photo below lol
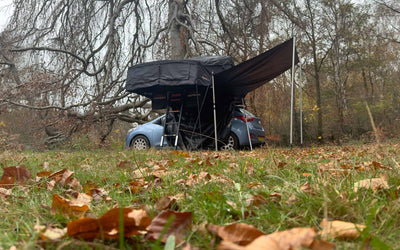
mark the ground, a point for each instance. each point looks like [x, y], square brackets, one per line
[44, 197]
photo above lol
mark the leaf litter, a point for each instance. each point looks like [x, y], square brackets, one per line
[168, 223]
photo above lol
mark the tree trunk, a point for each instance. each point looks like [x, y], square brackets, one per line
[178, 34]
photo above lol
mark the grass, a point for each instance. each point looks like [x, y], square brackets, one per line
[234, 179]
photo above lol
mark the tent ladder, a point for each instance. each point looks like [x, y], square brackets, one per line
[173, 118]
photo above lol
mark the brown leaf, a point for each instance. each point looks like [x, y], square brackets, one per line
[374, 184]
[4, 193]
[43, 174]
[107, 226]
[14, 175]
[133, 222]
[340, 229]
[99, 194]
[75, 208]
[281, 164]
[306, 188]
[85, 228]
[177, 223]
[50, 232]
[239, 233]
[88, 186]
[284, 240]
[74, 184]
[66, 177]
[56, 176]
[165, 203]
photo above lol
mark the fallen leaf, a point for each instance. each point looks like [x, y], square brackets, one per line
[165, 203]
[374, 184]
[65, 177]
[70, 208]
[74, 184]
[285, 240]
[107, 226]
[239, 233]
[14, 175]
[173, 223]
[4, 193]
[306, 188]
[281, 164]
[50, 232]
[340, 229]
[99, 194]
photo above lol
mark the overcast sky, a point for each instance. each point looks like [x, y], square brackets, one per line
[5, 12]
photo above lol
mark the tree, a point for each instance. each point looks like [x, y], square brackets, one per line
[71, 57]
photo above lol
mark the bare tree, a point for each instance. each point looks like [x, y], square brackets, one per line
[71, 57]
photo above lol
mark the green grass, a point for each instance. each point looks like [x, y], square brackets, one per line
[235, 177]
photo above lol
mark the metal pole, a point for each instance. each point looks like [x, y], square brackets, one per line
[247, 126]
[301, 106]
[215, 114]
[292, 92]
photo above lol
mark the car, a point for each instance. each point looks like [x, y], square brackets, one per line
[149, 134]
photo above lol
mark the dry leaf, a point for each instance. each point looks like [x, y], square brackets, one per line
[66, 176]
[57, 175]
[46, 165]
[50, 233]
[239, 233]
[107, 226]
[306, 188]
[99, 194]
[14, 175]
[165, 203]
[340, 229]
[74, 184]
[4, 193]
[70, 208]
[178, 223]
[374, 184]
[285, 240]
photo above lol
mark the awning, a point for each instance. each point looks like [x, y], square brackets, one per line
[251, 74]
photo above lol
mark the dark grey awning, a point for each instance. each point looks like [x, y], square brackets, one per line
[251, 74]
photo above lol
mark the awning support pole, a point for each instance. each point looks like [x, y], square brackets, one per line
[247, 126]
[292, 92]
[301, 106]
[215, 114]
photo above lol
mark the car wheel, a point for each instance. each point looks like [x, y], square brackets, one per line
[140, 142]
[232, 143]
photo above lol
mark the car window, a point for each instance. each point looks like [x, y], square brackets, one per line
[246, 112]
[160, 121]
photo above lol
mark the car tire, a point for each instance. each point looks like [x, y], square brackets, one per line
[140, 142]
[232, 143]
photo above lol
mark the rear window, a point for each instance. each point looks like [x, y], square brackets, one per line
[246, 112]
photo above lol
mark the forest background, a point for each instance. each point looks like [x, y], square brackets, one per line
[63, 65]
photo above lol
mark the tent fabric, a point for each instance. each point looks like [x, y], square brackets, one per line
[251, 74]
[160, 77]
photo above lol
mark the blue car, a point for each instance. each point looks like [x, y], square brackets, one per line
[149, 134]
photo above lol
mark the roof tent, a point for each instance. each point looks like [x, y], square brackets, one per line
[155, 79]
[192, 79]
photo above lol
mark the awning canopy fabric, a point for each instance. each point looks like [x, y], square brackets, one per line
[251, 74]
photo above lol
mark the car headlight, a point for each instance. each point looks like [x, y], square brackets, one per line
[130, 130]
